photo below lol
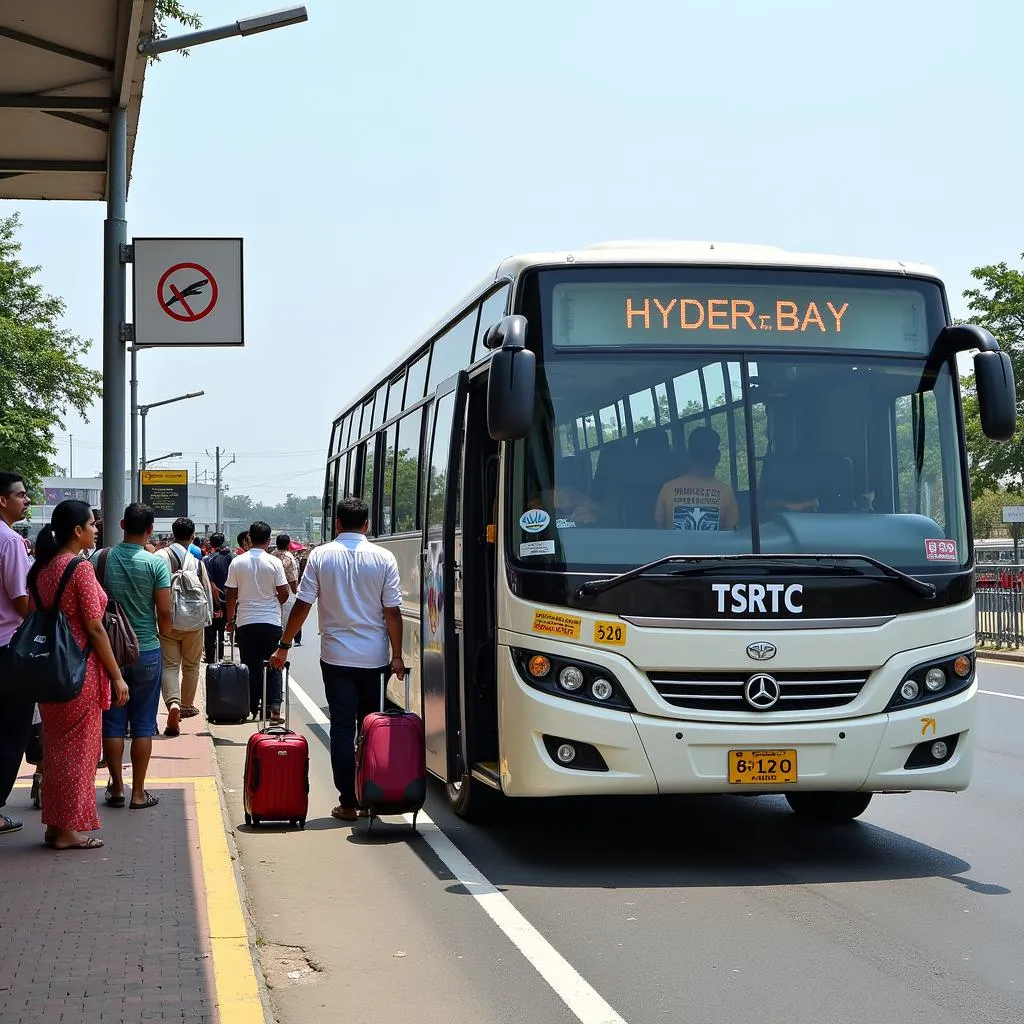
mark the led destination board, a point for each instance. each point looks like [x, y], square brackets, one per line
[611, 315]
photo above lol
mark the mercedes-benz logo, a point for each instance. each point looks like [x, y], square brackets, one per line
[762, 691]
[761, 651]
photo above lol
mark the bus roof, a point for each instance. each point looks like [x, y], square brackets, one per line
[645, 251]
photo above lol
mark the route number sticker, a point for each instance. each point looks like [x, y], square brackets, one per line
[940, 551]
[611, 633]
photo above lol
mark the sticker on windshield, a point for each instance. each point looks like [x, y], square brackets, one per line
[940, 551]
[536, 547]
[534, 521]
[557, 624]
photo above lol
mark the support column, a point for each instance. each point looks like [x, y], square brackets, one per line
[133, 461]
[115, 235]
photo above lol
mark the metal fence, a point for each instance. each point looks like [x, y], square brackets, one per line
[999, 598]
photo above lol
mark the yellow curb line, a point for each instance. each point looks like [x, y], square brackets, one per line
[234, 973]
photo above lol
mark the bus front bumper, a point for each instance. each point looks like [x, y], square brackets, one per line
[649, 755]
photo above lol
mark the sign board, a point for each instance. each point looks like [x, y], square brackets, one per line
[166, 492]
[187, 291]
[1013, 513]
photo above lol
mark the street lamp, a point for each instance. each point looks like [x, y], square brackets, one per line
[143, 412]
[169, 455]
[243, 27]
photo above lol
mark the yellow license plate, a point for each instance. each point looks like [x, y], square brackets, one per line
[762, 767]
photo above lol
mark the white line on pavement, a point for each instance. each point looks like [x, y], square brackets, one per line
[996, 693]
[568, 984]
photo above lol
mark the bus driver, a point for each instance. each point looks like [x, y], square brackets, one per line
[697, 500]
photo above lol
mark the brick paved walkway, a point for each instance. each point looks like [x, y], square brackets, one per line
[118, 934]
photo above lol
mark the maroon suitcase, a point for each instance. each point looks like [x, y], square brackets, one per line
[276, 785]
[391, 761]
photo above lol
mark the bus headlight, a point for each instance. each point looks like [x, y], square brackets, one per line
[934, 680]
[571, 680]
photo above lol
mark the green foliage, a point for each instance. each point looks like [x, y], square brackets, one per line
[41, 377]
[172, 10]
[998, 304]
[987, 511]
[290, 516]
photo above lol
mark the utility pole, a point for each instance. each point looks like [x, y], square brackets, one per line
[71, 455]
[234, 458]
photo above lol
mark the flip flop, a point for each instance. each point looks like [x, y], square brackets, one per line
[113, 801]
[85, 844]
[189, 712]
[150, 801]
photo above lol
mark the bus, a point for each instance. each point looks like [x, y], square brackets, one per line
[683, 518]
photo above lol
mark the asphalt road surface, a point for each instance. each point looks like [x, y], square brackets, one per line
[722, 909]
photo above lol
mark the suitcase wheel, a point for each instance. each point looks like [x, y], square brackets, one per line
[298, 822]
[248, 818]
[256, 820]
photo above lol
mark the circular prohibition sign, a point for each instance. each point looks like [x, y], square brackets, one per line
[182, 296]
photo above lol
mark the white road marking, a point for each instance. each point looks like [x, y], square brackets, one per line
[996, 693]
[566, 982]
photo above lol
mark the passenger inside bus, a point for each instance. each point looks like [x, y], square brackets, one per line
[697, 500]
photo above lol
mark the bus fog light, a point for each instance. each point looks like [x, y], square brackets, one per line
[935, 679]
[939, 750]
[570, 678]
[962, 666]
[539, 666]
[566, 753]
[601, 689]
[909, 690]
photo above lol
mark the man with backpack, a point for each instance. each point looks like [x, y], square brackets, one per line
[217, 562]
[191, 613]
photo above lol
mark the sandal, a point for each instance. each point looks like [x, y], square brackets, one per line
[111, 800]
[10, 825]
[85, 844]
[190, 711]
[150, 801]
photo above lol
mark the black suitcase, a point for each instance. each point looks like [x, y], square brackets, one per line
[227, 690]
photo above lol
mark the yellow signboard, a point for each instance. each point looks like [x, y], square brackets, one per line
[164, 476]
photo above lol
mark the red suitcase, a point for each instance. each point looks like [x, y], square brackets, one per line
[391, 761]
[276, 786]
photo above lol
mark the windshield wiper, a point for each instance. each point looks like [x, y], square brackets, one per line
[788, 561]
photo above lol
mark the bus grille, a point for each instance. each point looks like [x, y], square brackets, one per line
[723, 691]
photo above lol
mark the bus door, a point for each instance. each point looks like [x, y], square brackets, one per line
[442, 572]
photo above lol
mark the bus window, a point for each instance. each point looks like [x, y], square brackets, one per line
[364, 422]
[407, 464]
[451, 351]
[491, 311]
[366, 484]
[387, 481]
[417, 380]
[378, 408]
[395, 389]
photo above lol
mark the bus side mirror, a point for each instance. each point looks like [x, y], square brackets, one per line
[512, 380]
[997, 394]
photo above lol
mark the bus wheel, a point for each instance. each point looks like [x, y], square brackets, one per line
[473, 800]
[828, 807]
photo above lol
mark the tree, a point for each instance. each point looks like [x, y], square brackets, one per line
[172, 10]
[41, 376]
[987, 511]
[999, 306]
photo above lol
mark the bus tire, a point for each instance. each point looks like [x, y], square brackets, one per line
[828, 807]
[472, 800]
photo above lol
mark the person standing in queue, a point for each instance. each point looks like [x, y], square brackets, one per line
[256, 588]
[16, 720]
[217, 562]
[359, 595]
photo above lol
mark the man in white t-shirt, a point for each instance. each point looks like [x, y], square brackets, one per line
[359, 595]
[256, 588]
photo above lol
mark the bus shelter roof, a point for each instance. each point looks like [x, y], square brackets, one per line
[64, 65]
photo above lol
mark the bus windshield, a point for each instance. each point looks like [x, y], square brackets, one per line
[796, 414]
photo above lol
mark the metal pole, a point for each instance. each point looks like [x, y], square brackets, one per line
[71, 455]
[115, 236]
[217, 527]
[134, 460]
[142, 462]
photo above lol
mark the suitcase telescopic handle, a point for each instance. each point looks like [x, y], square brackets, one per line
[264, 718]
[384, 677]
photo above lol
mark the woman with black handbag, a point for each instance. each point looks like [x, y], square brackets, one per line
[72, 729]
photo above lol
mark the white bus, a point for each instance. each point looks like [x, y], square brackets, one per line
[592, 608]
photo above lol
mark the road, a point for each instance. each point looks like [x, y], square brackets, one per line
[681, 909]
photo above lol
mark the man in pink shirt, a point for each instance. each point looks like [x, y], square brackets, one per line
[16, 720]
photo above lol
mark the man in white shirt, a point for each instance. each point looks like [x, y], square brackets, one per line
[182, 649]
[360, 604]
[256, 588]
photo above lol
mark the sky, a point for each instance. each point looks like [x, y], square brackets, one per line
[382, 158]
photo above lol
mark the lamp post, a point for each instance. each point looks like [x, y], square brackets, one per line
[116, 257]
[143, 413]
[169, 455]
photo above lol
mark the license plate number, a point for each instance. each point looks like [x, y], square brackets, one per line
[762, 767]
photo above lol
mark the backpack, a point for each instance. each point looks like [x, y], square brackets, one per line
[190, 608]
[123, 641]
[43, 662]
